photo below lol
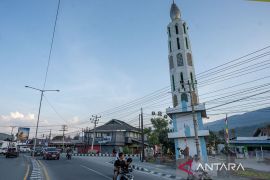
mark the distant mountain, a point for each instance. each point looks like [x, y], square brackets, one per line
[244, 124]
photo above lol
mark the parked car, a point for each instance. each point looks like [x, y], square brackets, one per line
[38, 151]
[51, 153]
[24, 149]
[3, 150]
[12, 152]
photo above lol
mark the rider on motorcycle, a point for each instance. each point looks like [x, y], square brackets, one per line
[69, 152]
[197, 172]
[121, 166]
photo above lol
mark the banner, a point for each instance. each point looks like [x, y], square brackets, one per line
[23, 133]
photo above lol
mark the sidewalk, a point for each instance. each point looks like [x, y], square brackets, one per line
[254, 164]
[159, 169]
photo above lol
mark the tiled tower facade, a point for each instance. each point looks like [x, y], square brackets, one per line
[183, 87]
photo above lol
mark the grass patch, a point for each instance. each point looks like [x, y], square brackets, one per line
[253, 174]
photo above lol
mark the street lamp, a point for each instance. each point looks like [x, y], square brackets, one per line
[41, 97]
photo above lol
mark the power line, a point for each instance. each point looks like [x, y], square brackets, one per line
[254, 52]
[51, 46]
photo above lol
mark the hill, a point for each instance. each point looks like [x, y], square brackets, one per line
[244, 124]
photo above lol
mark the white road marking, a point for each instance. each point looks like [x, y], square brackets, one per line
[107, 177]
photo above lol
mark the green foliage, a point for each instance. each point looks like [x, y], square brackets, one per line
[159, 134]
[213, 140]
[126, 150]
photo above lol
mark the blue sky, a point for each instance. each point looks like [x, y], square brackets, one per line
[112, 51]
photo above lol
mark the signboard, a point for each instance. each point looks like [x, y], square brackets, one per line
[23, 133]
[104, 139]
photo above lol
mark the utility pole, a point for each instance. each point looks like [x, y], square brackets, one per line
[50, 137]
[64, 128]
[140, 129]
[195, 121]
[11, 135]
[40, 103]
[94, 120]
[82, 136]
[142, 135]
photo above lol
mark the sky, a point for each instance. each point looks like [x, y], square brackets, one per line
[106, 53]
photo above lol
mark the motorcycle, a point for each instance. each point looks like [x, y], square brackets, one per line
[68, 155]
[202, 175]
[127, 175]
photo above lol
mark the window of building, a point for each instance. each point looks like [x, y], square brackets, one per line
[170, 46]
[98, 134]
[189, 59]
[176, 29]
[184, 27]
[169, 31]
[184, 97]
[180, 61]
[173, 84]
[175, 101]
[186, 42]
[171, 62]
[178, 43]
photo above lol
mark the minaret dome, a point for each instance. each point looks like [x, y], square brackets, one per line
[175, 12]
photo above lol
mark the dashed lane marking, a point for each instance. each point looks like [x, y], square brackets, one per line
[107, 177]
[44, 170]
[36, 171]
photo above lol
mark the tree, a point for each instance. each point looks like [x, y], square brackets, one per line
[77, 137]
[159, 134]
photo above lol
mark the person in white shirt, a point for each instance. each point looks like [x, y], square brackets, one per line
[195, 166]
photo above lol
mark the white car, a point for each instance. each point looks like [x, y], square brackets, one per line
[25, 149]
[3, 150]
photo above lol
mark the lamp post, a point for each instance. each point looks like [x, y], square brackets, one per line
[40, 102]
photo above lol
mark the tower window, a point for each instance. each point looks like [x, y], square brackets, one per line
[173, 84]
[189, 59]
[184, 27]
[171, 62]
[191, 77]
[170, 46]
[178, 43]
[194, 98]
[169, 31]
[176, 29]
[182, 80]
[180, 61]
[186, 42]
[184, 97]
[175, 101]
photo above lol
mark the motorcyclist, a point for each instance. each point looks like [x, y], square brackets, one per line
[69, 152]
[196, 171]
[119, 164]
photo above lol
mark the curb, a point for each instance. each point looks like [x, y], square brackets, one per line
[103, 155]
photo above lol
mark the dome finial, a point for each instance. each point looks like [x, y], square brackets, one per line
[175, 12]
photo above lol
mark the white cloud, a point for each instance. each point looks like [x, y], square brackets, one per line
[18, 116]
[74, 120]
[16, 119]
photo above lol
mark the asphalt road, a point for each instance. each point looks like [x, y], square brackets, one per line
[79, 168]
[85, 168]
[14, 168]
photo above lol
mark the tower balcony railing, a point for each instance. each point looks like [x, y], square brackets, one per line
[179, 109]
[181, 134]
